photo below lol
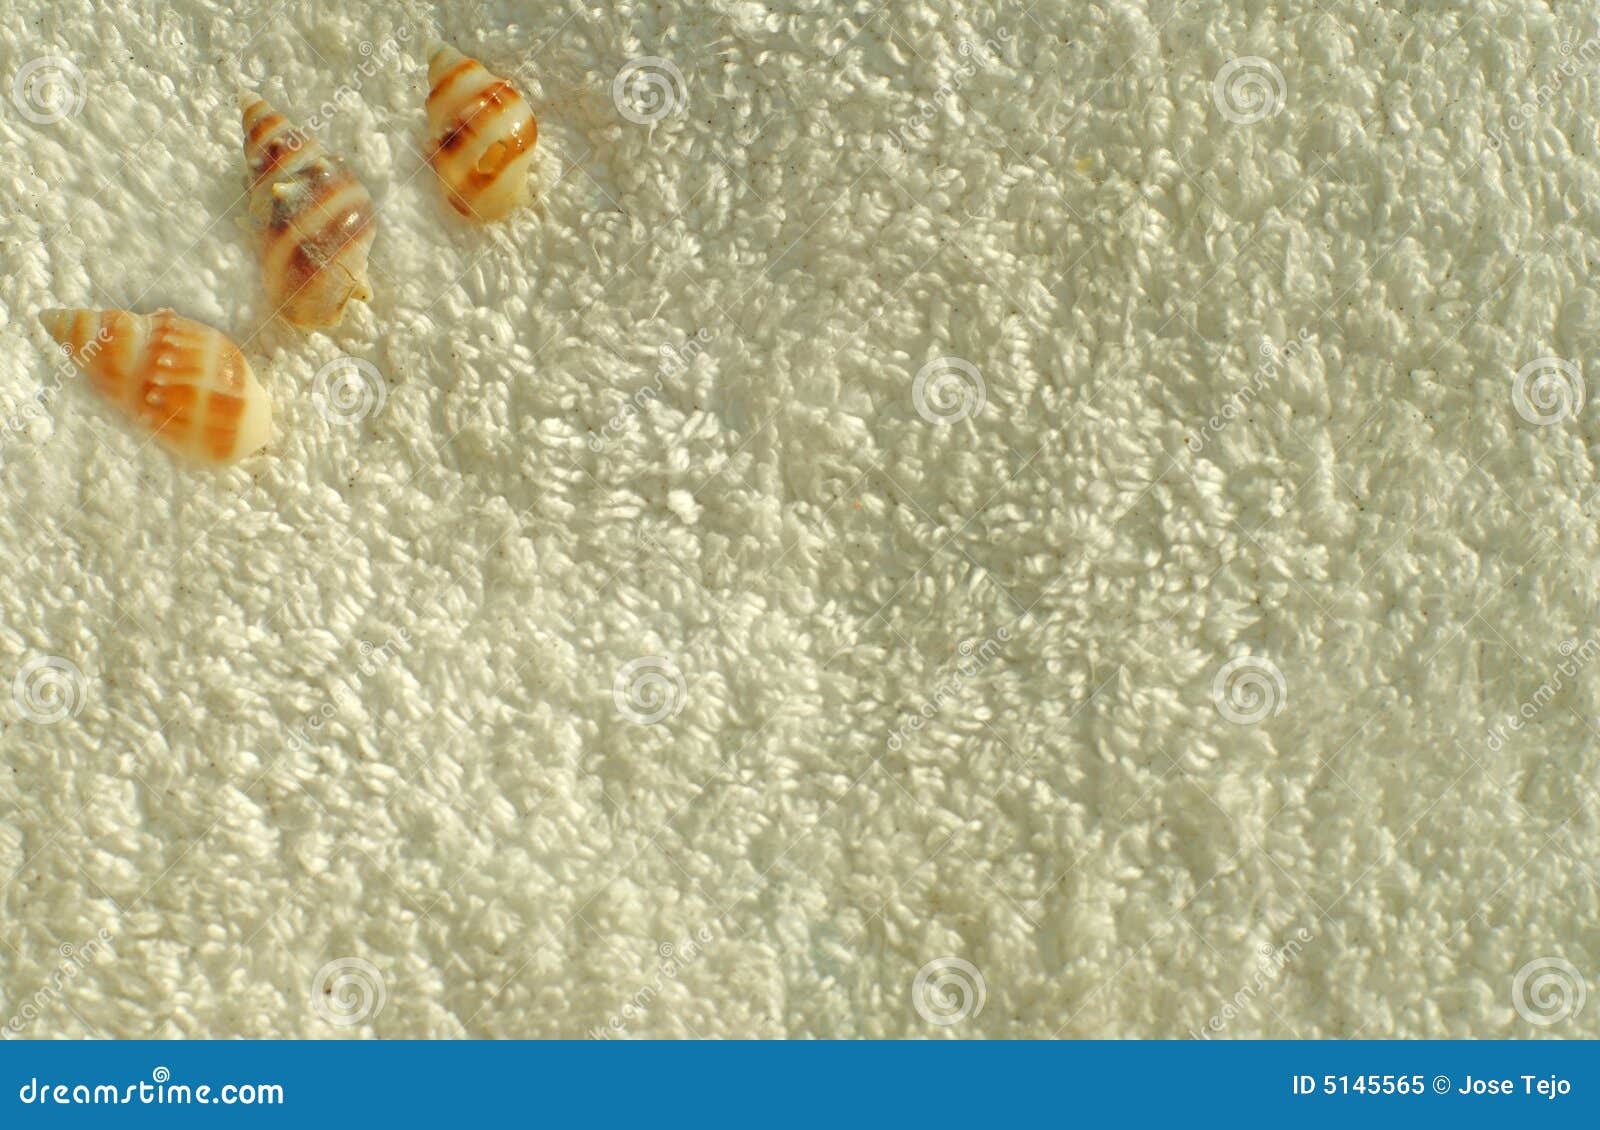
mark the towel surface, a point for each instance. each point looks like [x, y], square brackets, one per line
[939, 520]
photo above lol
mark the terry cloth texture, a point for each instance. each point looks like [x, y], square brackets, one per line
[940, 520]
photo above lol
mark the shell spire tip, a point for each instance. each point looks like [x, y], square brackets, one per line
[252, 108]
[54, 321]
[441, 57]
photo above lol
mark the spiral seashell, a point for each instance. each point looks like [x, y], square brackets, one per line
[182, 381]
[315, 220]
[481, 134]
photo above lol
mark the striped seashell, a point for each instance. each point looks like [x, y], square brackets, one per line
[182, 381]
[315, 219]
[481, 133]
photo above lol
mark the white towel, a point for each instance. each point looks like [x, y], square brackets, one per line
[946, 521]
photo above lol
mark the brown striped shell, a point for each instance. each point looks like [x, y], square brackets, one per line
[481, 135]
[315, 220]
[183, 382]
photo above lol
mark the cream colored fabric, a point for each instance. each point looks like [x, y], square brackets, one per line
[952, 520]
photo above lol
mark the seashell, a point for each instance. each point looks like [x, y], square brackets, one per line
[316, 221]
[185, 382]
[481, 134]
